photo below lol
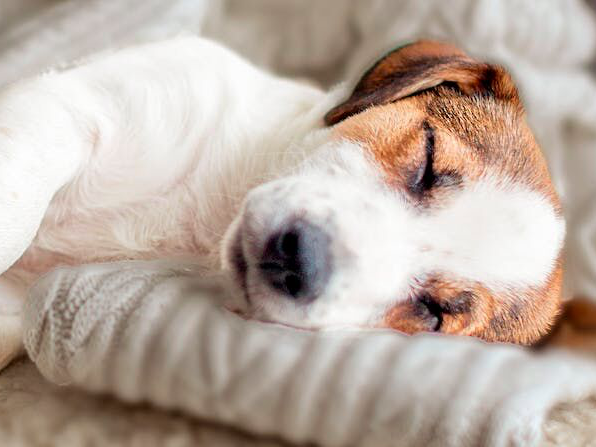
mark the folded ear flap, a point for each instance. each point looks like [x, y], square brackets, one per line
[421, 66]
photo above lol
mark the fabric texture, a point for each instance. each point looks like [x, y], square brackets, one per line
[144, 332]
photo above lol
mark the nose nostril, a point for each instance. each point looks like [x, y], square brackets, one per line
[296, 261]
[289, 244]
[293, 285]
[288, 283]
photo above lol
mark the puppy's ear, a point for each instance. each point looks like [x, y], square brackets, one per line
[421, 66]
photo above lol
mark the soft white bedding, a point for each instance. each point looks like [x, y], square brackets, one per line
[151, 332]
[545, 44]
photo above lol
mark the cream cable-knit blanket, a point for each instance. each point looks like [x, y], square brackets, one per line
[545, 44]
[145, 333]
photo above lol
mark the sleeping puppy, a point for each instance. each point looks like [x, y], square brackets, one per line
[417, 201]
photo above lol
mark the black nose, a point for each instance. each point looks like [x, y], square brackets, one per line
[296, 260]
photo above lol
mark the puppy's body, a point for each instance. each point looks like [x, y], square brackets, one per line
[152, 152]
[153, 160]
[144, 154]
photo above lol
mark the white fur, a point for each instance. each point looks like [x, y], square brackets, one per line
[151, 151]
[501, 234]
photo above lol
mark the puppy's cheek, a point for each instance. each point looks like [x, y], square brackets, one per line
[458, 324]
[500, 318]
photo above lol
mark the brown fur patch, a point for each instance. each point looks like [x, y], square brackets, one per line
[514, 316]
[421, 66]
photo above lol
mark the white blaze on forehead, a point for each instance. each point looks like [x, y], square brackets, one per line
[498, 233]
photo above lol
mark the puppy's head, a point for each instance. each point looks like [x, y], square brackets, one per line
[428, 208]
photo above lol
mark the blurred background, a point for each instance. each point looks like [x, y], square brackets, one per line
[548, 45]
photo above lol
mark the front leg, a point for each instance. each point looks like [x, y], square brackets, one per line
[43, 144]
[124, 121]
[113, 122]
[103, 121]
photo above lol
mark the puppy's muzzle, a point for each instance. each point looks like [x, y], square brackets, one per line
[297, 261]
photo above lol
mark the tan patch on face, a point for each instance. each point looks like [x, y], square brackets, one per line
[496, 137]
[392, 135]
[460, 308]
[472, 138]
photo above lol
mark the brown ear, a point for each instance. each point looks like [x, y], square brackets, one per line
[420, 66]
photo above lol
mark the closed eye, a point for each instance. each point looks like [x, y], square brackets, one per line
[430, 311]
[424, 177]
[433, 312]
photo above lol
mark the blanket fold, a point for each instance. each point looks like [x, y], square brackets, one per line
[145, 332]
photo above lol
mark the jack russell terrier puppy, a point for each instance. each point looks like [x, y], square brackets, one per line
[417, 201]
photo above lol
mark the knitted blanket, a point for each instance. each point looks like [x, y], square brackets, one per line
[330, 388]
[146, 333]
